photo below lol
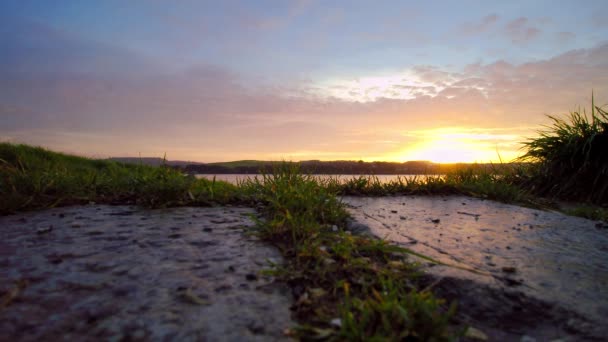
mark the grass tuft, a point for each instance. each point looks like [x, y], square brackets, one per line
[571, 158]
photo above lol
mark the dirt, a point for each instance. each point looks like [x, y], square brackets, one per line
[122, 273]
[523, 273]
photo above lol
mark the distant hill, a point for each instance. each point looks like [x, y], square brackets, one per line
[318, 167]
[343, 167]
[244, 163]
[152, 161]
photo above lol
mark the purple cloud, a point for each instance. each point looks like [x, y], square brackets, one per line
[484, 25]
[520, 31]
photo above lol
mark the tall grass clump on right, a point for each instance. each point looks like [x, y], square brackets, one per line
[571, 157]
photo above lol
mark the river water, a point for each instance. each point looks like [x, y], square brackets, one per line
[234, 178]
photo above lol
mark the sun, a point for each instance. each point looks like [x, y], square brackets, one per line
[454, 145]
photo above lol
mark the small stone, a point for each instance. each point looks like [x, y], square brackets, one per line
[336, 322]
[435, 221]
[223, 288]
[396, 264]
[207, 229]
[527, 338]
[394, 211]
[476, 334]
[44, 230]
[508, 269]
[256, 328]
[138, 334]
[577, 326]
[328, 261]
[317, 292]
[251, 277]
[334, 228]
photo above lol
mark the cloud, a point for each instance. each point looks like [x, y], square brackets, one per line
[520, 30]
[103, 100]
[482, 26]
[564, 37]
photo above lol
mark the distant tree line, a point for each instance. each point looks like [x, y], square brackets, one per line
[335, 167]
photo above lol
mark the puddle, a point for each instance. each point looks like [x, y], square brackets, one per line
[548, 256]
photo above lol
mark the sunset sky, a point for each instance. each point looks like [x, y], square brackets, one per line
[212, 81]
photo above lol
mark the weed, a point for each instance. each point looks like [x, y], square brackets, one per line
[589, 212]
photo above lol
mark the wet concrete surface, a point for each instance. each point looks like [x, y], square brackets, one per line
[123, 273]
[555, 263]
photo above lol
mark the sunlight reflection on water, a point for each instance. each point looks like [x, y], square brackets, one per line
[234, 178]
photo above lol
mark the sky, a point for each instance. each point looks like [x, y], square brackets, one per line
[210, 81]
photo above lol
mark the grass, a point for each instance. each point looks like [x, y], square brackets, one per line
[34, 178]
[590, 212]
[346, 287]
[499, 184]
[571, 158]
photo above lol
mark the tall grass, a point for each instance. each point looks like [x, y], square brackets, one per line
[32, 177]
[571, 157]
[497, 183]
[295, 202]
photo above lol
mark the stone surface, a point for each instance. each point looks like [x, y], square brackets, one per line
[119, 272]
[529, 262]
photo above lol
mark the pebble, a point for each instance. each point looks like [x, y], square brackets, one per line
[509, 269]
[336, 322]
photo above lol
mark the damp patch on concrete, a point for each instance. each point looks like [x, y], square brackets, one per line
[121, 272]
[539, 258]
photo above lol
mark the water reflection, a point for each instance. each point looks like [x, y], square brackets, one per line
[235, 178]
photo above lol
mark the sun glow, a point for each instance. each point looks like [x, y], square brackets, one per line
[397, 85]
[453, 145]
